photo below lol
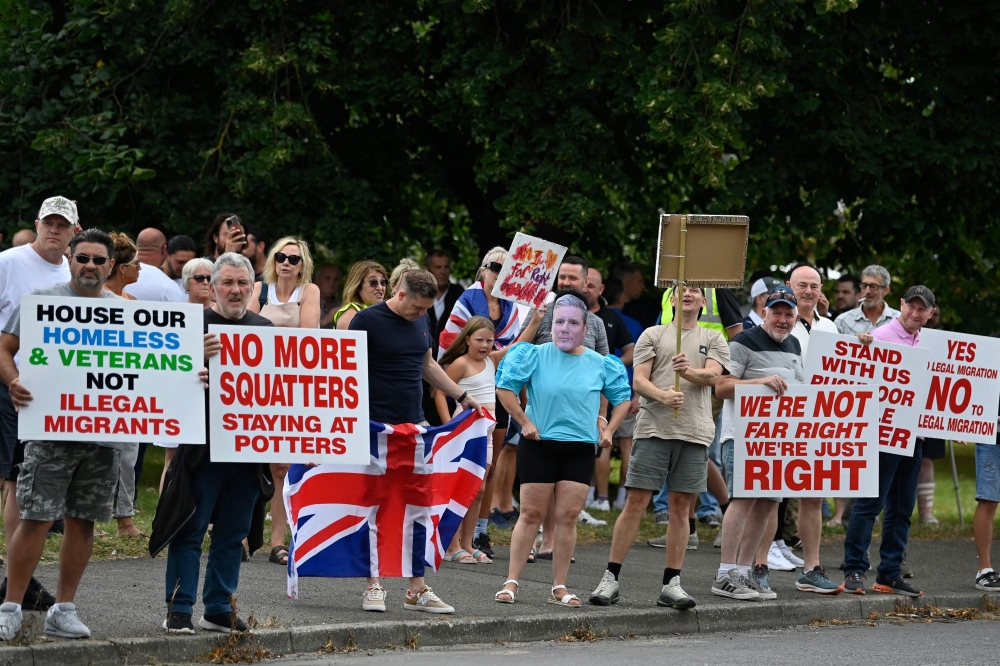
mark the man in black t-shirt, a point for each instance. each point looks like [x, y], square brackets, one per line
[399, 358]
[232, 488]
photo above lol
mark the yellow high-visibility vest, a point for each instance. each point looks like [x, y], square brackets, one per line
[709, 313]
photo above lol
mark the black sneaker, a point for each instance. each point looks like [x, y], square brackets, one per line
[898, 586]
[36, 597]
[905, 570]
[511, 516]
[178, 623]
[855, 583]
[482, 542]
[223, 622]
[988, 582]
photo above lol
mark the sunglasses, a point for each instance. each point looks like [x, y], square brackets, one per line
[780, 296]
[378, 283]
[494, 266]
[86, 259]
[201, 278]
[281, 257]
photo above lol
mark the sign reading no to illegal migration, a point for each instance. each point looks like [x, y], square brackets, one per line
[103, 370]
[813, 441]
[289, 395]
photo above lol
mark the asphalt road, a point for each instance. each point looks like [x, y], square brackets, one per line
[963, 643]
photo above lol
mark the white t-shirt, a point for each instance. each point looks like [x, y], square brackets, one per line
[802, 335]
[180, 283]
[154, 285]
[22, 271]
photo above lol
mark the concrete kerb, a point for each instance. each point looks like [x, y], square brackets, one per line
[442, 631]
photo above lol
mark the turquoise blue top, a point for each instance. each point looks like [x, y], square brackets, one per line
[564, 390]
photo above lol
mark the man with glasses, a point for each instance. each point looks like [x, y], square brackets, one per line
[72, 479]
[873, 311]
[22, 270]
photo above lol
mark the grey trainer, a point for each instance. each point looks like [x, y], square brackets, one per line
[734, 586]
[673, 596]
[11, 620]
[62, 621]
[606, 592]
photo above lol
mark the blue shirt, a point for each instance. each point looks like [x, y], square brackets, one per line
[564, 390]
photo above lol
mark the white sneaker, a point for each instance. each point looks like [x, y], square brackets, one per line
[777, 561]
[672, 595]
[373, 599]
[600, 505]
[606, 592]
[790, 556]
[619, 504]
[11, 620]
[63, 621]
[588, 519]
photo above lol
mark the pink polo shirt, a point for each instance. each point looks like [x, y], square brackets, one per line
[894, 333]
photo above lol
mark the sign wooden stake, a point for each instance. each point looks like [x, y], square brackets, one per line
[679, 297]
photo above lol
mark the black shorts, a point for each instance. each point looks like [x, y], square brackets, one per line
[503, 418]
[933, 448]
[549, 461]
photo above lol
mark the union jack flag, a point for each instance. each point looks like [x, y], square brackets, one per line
[473, 302]
[393, 517]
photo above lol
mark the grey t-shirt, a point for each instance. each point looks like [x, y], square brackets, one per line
[595, 338]
[62, 289]
[754, 354]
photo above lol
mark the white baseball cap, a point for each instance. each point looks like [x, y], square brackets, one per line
[763, 286]
[59, 206]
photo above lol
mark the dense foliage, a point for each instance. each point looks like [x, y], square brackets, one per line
[849, 132]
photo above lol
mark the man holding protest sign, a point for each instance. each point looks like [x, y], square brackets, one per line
[58, 478]
[195, 488]
[766, 355]
[399, 360]
[898, 475]
[669, 447]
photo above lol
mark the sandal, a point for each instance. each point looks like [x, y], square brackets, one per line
[461, 556]
[481, 557]
[279, 555]
[532, 556]
[566, 601]
[504, 590]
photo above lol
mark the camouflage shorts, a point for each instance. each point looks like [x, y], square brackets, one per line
[75, 479]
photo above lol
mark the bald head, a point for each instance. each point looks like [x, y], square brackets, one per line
[152, 246]
[23, 237]
[807, 284]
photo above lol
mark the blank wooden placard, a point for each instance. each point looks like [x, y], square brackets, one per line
[716, 253]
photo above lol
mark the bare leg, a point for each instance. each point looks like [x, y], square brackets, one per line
[24, 553]
[168, 455]
[11, 512]
[569, 496]
[765, 543]
[74, 554]
[754, 533]
[535, 498]
[810, 529]
[734, 523]
[982, 525]
[602, 470]
[838, 509]
[503, 488]
[491, 479]
[717, 485]
[925, 488]
[627, 525]
[681, 507]
[549, 527]
[279, 520]
[625, 448]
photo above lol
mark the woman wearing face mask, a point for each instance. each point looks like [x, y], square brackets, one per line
[288, 298]
[565, 381]
[365, 285]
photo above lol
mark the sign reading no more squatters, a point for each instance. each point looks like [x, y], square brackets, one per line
[896, 371]
[813, 441]
[530, 270]
[289, 395]
[105, 370]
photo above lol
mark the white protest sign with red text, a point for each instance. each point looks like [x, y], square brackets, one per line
[289, 395]
[898, 372]
[529, 273]
[813, 441]
[111, 370]
[963, 392]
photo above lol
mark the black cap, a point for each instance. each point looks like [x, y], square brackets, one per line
[921, 292]
[782, 294]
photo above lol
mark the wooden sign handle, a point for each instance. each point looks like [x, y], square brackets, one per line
[679, 296]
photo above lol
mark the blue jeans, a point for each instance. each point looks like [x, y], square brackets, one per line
[897, 493]
[234, 488]
[707, 504]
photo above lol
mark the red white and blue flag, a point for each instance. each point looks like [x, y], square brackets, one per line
[473, 302]
[393, 517]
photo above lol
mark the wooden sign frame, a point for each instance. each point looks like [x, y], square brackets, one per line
[702, 250]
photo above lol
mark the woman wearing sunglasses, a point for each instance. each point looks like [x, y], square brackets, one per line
[365, 285]
[196, 276]
[289, 299]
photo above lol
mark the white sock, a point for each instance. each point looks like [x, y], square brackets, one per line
[781, 543]
[724, 570]
[744, 569]
[590, 495]
[984, 571]
[621, 495]
[18, 607]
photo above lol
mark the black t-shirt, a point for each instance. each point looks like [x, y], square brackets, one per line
[396, 351]
[616, 328]
[213, 317]
[729, 308]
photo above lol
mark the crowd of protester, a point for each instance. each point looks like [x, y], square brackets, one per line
[589, 373]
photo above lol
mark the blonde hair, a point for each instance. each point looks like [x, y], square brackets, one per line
[497, 254]
[356, 276]
[460, 345]
[125, 250]
[271, 273]
[405, 266]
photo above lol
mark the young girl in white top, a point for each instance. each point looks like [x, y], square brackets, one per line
[471, 362]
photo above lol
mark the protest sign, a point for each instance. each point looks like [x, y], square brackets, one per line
[530, 270]
[103, 370]
[963, 392]
[813, 441]
[289, 395]
[897, 370]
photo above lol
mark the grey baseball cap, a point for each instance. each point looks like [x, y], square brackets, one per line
[921, 292]
[59, 206]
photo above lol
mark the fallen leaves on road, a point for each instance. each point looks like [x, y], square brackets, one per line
[906, 613]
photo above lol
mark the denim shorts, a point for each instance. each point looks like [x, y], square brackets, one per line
[728, 462]
[988, 472]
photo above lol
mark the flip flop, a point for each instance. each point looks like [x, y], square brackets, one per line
[481, 557]
[277, 554]
[461, 556]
